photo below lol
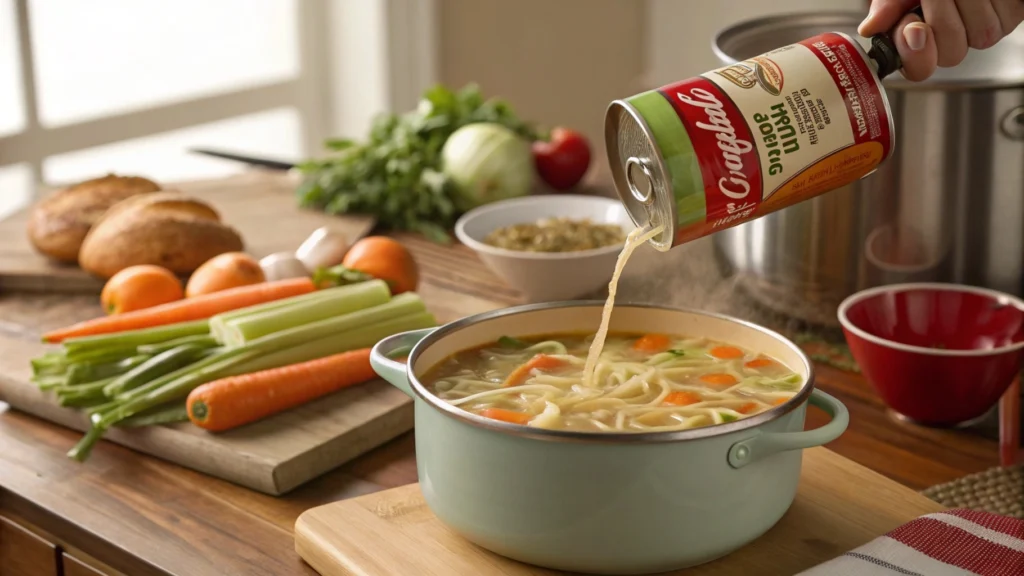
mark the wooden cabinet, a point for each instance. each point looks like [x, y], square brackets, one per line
[75, 567]
[23, 553]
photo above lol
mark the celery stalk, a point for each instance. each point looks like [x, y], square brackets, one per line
[266, 306]
[333, 302]
[136, 337]
[254, 358]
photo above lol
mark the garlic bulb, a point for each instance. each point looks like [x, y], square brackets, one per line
[283, 265]
[324, 248]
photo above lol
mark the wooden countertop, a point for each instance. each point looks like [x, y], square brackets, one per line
[143, 516]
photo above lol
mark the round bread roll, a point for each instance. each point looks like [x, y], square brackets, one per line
[168, 229]
[58, 225]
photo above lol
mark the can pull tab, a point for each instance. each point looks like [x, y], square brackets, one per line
[640, 180]
[883, 50]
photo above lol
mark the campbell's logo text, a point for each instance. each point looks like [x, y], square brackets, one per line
[736, 185]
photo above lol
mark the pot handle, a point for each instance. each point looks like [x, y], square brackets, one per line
[396, 373]
[767, 443]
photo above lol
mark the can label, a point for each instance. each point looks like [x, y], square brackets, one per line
[781, 128]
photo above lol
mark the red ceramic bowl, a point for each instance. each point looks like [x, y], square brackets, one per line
[938, 354]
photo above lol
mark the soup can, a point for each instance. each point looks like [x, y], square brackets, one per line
[739, 142]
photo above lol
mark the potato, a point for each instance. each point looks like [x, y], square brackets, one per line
[168, 229]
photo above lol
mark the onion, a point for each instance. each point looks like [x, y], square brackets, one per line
[324, 248]
[487, 162]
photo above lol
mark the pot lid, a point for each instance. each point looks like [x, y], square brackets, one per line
[1001, 66]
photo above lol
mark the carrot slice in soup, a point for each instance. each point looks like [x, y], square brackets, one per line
[652, 343]
[505, 415]
[719, 379]
[540, 362]
[780, 401]
[682, 398]
[726, 352]
[747, 408]
[759, 363]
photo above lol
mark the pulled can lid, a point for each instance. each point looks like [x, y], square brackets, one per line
[642, 180]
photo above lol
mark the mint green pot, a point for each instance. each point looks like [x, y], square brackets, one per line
[605, 503]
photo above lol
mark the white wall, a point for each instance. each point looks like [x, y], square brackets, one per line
[680, 31]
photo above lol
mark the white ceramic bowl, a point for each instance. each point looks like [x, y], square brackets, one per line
[543, 276]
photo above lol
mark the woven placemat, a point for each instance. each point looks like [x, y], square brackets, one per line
[997, 490]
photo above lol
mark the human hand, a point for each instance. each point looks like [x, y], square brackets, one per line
[949, 28]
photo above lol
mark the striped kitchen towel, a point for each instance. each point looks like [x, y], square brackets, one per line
[953, 543]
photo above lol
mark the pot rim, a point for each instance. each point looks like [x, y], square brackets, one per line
[602, 437]
[859, 297]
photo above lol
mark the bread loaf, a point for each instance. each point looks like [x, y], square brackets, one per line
[58, 225]
[168, 229]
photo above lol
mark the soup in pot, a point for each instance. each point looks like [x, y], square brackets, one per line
[640, 383]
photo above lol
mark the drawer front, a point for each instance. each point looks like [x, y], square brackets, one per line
[75, 567]
[23, 553]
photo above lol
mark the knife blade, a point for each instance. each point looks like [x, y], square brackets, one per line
[251, 160]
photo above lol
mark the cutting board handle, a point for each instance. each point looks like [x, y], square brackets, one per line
[397, 346]
[765, 444]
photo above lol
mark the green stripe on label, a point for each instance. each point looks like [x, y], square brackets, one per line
[677, 152]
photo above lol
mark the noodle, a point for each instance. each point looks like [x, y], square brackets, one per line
[637, 237]
[629, 391]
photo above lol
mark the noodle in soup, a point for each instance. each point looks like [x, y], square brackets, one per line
[641, 383]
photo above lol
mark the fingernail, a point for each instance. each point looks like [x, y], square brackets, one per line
[915, 35]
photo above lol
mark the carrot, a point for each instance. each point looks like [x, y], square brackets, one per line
[682, 398]
[759, 363]
[236, 400]
[719, 379]
[539, 361]
[198, 308]
[780, 401]
[747, 408]
[726, 352]
[652, 343]
[505, 415]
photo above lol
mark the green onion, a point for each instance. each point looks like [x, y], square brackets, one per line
[333, 302]
[156, 366]
[135, 338]
[510, 342]
[87, 372]
[164, 414]
[199, 340]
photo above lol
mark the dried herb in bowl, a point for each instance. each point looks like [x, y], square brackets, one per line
[556, 235]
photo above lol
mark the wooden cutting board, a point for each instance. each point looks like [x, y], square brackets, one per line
[261, 205]
[272, 456]
[839, 506]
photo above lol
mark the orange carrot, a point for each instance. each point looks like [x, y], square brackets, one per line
[683, 398]
[759, 363]
[652, 343]
[747, 408]
[719, 379]
[198, 308]
[505, 415]
[780, 401]
[540, 362]
[236, 400]
[726, 352]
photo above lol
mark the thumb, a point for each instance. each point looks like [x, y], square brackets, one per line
[884, 14]
[915, 41]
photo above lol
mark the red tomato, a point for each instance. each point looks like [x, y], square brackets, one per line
[563, 160]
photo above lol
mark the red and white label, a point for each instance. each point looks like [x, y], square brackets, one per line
[782, 127]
